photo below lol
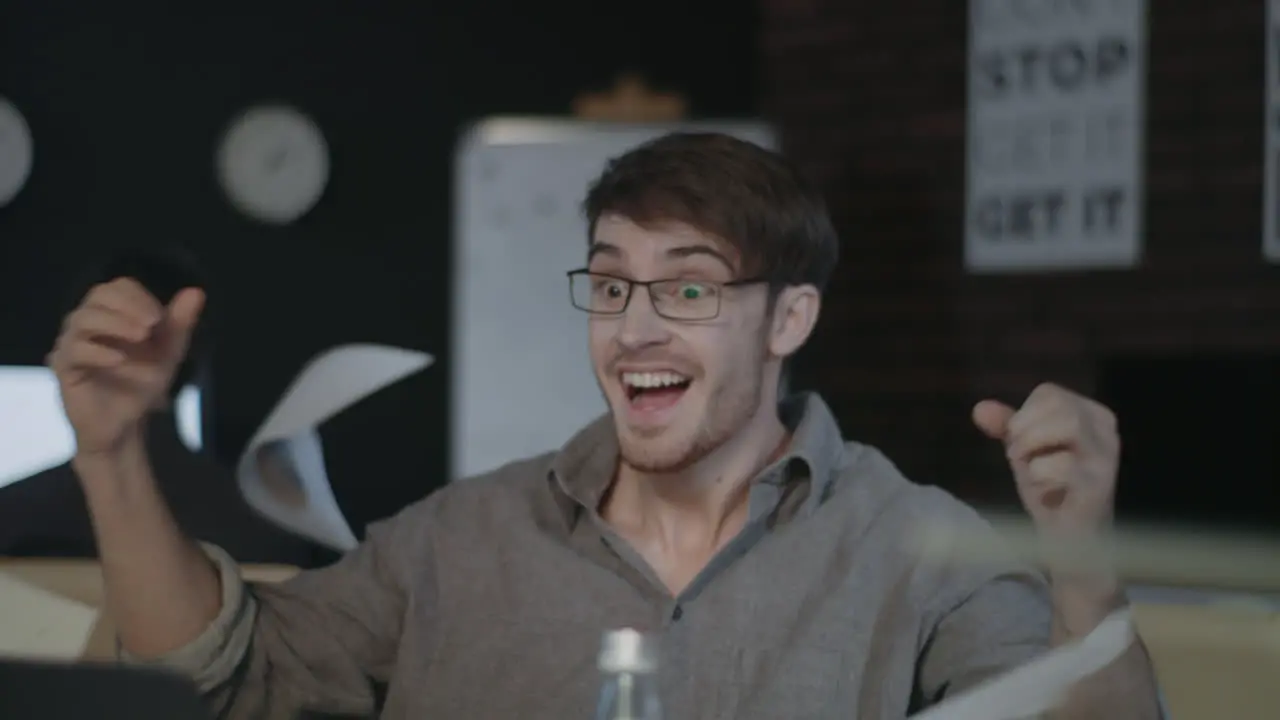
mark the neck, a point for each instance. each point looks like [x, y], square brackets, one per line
[701, 506]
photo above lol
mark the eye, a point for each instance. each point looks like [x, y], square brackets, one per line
[692, 291]
[609, 288]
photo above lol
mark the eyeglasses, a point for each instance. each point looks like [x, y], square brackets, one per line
[673, 299]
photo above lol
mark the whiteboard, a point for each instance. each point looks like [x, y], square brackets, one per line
[521, 378]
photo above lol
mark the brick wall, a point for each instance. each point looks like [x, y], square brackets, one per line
[870, 99]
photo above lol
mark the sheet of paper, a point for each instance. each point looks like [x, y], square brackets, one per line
[1040, 685]
[37, 624]
[282, 473]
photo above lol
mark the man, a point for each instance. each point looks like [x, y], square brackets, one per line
[768, 553]
[45, 515]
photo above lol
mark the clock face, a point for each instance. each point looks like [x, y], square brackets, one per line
[15, 152]
[273, 164]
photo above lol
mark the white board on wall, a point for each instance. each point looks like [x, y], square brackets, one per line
[1055, 135]
[1271, 163]
[521, 379]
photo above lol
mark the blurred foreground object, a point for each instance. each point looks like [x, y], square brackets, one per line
[628, 663]
[1153, 556]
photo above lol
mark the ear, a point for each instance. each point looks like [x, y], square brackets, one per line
[794, 315]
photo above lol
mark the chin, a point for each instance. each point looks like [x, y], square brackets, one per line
[660, 455]
[667, 447]
[655, 447]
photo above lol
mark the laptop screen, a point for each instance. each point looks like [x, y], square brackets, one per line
[35, 434]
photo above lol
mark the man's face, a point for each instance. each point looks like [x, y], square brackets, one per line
[677, 389]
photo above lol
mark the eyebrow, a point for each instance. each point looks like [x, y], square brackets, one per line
[689, 251]
[676, 253]
[599, 248]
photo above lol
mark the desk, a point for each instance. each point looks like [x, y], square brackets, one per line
[1214, 661]
[81, 580]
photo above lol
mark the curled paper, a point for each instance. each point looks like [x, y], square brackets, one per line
[1042, 684]
[281, 473]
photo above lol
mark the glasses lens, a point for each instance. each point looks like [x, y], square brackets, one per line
[686, 299]
[599, 294]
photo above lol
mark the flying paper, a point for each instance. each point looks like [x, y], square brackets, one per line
[282, 473]
[1042, 684]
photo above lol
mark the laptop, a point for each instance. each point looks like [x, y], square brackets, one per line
[51, 691]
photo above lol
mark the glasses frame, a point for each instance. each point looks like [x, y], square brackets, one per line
[647, 285]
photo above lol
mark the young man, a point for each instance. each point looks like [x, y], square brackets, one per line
[769, 554]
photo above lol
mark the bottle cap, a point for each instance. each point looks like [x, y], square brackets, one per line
[628, 650]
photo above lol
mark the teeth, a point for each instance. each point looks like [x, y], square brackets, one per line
[652, 379]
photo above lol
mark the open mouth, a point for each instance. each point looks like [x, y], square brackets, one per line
[648, 391]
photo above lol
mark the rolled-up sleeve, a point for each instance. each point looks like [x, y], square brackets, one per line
[212, 658]
[321, 640]
[987, 620]
[1001, 625]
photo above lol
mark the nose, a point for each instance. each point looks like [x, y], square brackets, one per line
[640, 326]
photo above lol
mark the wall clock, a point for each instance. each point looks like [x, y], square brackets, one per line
[15, 152]
[273, 164]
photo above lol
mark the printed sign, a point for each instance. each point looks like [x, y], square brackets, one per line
[1055, 134]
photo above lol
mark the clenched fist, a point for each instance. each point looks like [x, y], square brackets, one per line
[116, 357]
[1064, 451]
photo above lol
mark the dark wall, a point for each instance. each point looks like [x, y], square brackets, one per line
[871, 99]
[127, 100]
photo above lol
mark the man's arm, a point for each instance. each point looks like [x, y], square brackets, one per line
[1077, 610]
[1064, 452]
[1011, 619]
[319, 641]
[314, 644]
[160, 589]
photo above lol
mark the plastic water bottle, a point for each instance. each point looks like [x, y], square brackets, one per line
[628, 667]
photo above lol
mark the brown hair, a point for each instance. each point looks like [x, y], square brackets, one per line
[748, 197]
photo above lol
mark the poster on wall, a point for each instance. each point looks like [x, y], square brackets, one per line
[1055, 135]
[1271, 182]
